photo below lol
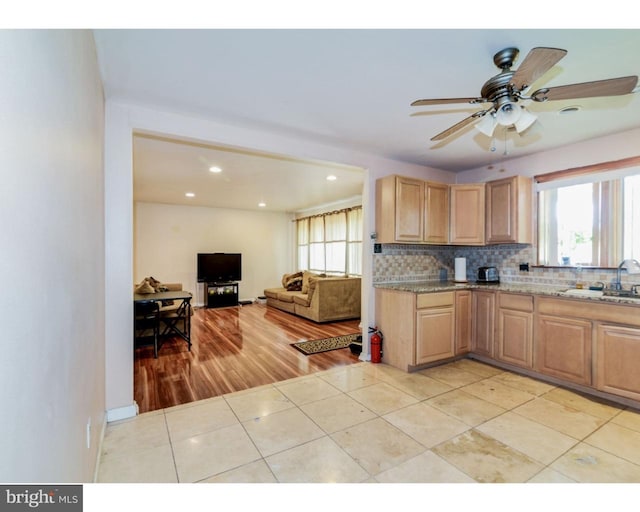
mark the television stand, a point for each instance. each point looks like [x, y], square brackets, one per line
[221, 295]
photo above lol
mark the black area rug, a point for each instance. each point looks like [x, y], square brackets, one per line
[325, 345]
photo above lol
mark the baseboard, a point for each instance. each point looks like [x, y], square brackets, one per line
[119, 413]
[621, 400]
[122, 413]
[103, 429]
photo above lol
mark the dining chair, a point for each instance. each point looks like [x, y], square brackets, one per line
[147, 323]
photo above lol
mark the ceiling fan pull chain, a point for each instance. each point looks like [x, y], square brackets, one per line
[506, 151]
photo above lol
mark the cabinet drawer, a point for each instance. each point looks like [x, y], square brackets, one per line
[434, 300]
[589, 309]
[517, 302]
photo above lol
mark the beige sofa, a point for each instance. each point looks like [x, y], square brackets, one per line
[321, 299]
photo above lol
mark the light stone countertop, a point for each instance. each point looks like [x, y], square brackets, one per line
[530, 289]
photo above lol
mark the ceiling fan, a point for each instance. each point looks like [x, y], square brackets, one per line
[506, 89]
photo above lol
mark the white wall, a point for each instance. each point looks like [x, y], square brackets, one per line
[168, 237]
[122, 120]
[604, 149]
[52, 377]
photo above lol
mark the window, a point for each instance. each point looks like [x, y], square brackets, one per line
[589, 219]
[331, 243]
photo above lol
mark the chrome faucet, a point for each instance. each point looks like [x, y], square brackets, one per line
[631, 266]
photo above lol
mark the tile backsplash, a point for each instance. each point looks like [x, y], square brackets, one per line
[408, 262]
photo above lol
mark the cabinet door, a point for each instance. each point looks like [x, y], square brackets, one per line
[463, 322]
[395, 317]
[484, 307]
[436, 222]
[509, 204]
[515, 337]
[617, 356]
[435, 329]
[564, 348]
[409, 209]
[467, 210]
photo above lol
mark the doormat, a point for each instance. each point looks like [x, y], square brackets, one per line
[325, 345]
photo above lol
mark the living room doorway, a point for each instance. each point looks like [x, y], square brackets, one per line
[192, 197]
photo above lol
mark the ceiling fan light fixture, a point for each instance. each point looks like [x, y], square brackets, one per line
[508, 113]
[487, 125]
[525, 121]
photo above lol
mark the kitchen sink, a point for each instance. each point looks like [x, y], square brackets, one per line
[582, 292]
[620, 293]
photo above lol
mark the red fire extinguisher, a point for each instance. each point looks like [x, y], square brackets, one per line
[376, 344]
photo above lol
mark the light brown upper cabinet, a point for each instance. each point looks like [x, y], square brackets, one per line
[466, 219]
[399, 209]
[436, 215]
[411, 210]
[509, 211]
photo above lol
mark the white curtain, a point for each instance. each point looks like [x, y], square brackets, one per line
[316, 244]
[354, 237]
[303, 244]
[331, 242]
[335, 226]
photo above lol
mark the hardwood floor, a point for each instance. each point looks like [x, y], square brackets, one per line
[233, 349]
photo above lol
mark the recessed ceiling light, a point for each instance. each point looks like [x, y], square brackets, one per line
[190, 194]
[215, 169]
[262, 204]
[331, 177]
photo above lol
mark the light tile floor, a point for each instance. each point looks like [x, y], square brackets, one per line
[462, 422]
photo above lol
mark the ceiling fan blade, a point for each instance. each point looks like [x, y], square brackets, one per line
[458, 126]
[446, 101]
[609, 87]
[537, 62]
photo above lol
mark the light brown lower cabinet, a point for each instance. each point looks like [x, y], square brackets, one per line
[484, 308]
[515, 329]
[464, 319]
[618, 360]
[435, 328]
[564, 348]
[417, 328]
[593, 344]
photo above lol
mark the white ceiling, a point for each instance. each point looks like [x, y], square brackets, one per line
[165, 170]
[351, 88]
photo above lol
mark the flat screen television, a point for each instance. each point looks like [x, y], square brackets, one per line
[219, 267]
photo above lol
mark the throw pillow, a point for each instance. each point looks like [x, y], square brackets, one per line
[285, 278]
[293, 282]
[145, 287]
[154, 283]
[305, 281]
